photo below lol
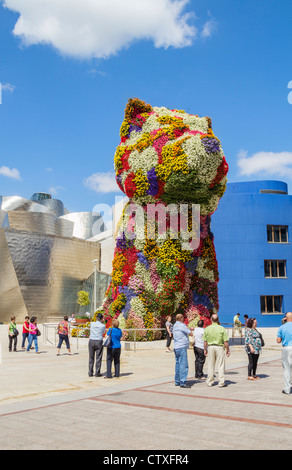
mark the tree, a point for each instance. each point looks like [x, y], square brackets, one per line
[83, 298]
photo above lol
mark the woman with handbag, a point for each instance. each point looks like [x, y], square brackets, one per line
[12, 334]
[113, 350]
[33, 335]
[63, 332]
[253, 347]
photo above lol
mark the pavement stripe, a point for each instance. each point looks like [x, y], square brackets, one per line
[195, 413]
[215, 398]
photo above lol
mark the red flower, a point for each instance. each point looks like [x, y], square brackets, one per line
[130, 186]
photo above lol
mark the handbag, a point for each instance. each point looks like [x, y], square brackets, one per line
[108, 340]
[261, 338]
[14, 330]
[38, 332]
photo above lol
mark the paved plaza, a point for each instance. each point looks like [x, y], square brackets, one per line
[49, 402]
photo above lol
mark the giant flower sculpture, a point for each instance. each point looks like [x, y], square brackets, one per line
[167, 160]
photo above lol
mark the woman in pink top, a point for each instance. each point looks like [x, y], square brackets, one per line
[33, 334]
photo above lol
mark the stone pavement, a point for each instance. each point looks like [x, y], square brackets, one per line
[49, 403]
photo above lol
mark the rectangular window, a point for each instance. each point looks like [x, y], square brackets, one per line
[277, 233]
[275, 268]
[271, 303]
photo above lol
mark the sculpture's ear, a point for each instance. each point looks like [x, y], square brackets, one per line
[136, 106]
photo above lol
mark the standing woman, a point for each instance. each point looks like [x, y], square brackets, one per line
[33, 335]
[12, 334]
[253, 347]
[169, 329]
[63, 332]
[114, 350]
[25, 331]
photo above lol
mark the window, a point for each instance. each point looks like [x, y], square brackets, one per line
[277, 233]
[275, 268]
[271, 303]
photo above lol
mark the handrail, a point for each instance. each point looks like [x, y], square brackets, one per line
[46, 326]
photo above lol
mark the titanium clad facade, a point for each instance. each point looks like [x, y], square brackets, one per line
[46, 258]
[50, 271]
[40, 222]
[11, 300]
[86, 224]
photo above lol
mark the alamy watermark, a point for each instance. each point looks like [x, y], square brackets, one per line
[131, 221]
[6, 86]
[290, 93]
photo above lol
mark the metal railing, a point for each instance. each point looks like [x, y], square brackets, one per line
[132, 337]
[133, 332]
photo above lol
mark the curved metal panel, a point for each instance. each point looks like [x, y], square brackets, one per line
[11, 299]
[50, 270]
[40, 222]
[86, 224]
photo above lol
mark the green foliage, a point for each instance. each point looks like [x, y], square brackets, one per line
[83, 298]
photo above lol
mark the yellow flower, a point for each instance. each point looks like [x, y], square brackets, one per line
[125, 127]
[171, 253]
[142, 183]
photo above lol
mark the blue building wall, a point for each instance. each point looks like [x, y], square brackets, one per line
[240, 235]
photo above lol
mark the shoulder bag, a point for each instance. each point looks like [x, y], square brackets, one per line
[14, 330]
[108, 340]
[261, 338]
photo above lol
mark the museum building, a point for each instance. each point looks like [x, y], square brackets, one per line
[252, 230]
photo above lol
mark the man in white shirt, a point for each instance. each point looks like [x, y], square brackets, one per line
[95, 345]
[181, 345]
[199, 350]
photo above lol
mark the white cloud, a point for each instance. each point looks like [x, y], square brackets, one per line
[100, 28]
[54, 190]
[208, 29]
[102, 183]
[265, 163]
[10, 172]
[8, 87]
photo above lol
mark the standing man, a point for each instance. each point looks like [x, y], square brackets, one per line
[236, 325]
[284, 336]
[215, 340]
[199, 350]
[180, 346]
[95, 345]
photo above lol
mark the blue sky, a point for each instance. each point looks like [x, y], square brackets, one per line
[67, 72]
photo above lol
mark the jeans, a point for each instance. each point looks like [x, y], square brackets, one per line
[24, 337]
[32, 338]
[199, 362]
[181, 366]
[95, 348]
[287, 366]
[63, 338]
[113, 354]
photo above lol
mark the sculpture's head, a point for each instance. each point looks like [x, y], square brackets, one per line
[170, 156]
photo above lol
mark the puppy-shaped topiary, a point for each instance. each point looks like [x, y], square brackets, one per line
[167, 160]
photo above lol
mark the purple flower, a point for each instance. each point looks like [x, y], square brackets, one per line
[142, 259]
[192, 265]
[129, 294]
[124, 242]
[202, 299]
[133, 127]
[211, 145]
[153, 182]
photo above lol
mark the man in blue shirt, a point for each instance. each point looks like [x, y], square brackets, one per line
[284, 336]
[180, 346]
[95, 345]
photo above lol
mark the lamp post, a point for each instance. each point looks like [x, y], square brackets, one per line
[94, 290]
